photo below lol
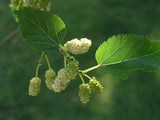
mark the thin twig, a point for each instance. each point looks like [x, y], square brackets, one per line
[14, 41]
[9, 36]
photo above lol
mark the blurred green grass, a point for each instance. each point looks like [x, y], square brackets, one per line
[136, 98]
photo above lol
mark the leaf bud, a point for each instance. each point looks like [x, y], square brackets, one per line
[96, 87]
[34, 86]
[50, 76]
[84, 93]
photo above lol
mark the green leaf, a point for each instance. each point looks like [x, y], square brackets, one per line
[40, 29]
[122, 54]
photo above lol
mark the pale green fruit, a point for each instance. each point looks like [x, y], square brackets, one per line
[50, 76]
[84, 93]
[34, 86]
[96, 87]
[61, 81]
[72, 70]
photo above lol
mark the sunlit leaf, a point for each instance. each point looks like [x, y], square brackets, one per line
[122, 54]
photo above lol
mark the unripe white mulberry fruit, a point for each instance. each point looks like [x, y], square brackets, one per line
[76, 46]
[29, 3]
[84, 93]
[50, 76]
[61, 81]
[48, 7]
[41, 4]
[96, 87]
[72, 70]
[38, 4]
[34, 86]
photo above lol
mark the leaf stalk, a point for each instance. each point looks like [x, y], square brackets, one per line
[49, 66]
[90, 69]
[39, 63]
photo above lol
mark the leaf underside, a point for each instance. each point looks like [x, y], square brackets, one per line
[122, 54]
[40, 29]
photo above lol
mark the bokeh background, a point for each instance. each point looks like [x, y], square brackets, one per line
[137, 98]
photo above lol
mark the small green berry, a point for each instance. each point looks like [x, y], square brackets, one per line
[84, 93]
[50, 76]
[72, 70]
[96, 87]
[34, 86]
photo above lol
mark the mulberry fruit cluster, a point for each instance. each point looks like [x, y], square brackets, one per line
[86, 89]
[76, 46]
[59, 82]
[56, 83]
[65, 75]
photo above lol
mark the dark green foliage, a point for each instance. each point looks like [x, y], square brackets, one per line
[41, 30]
